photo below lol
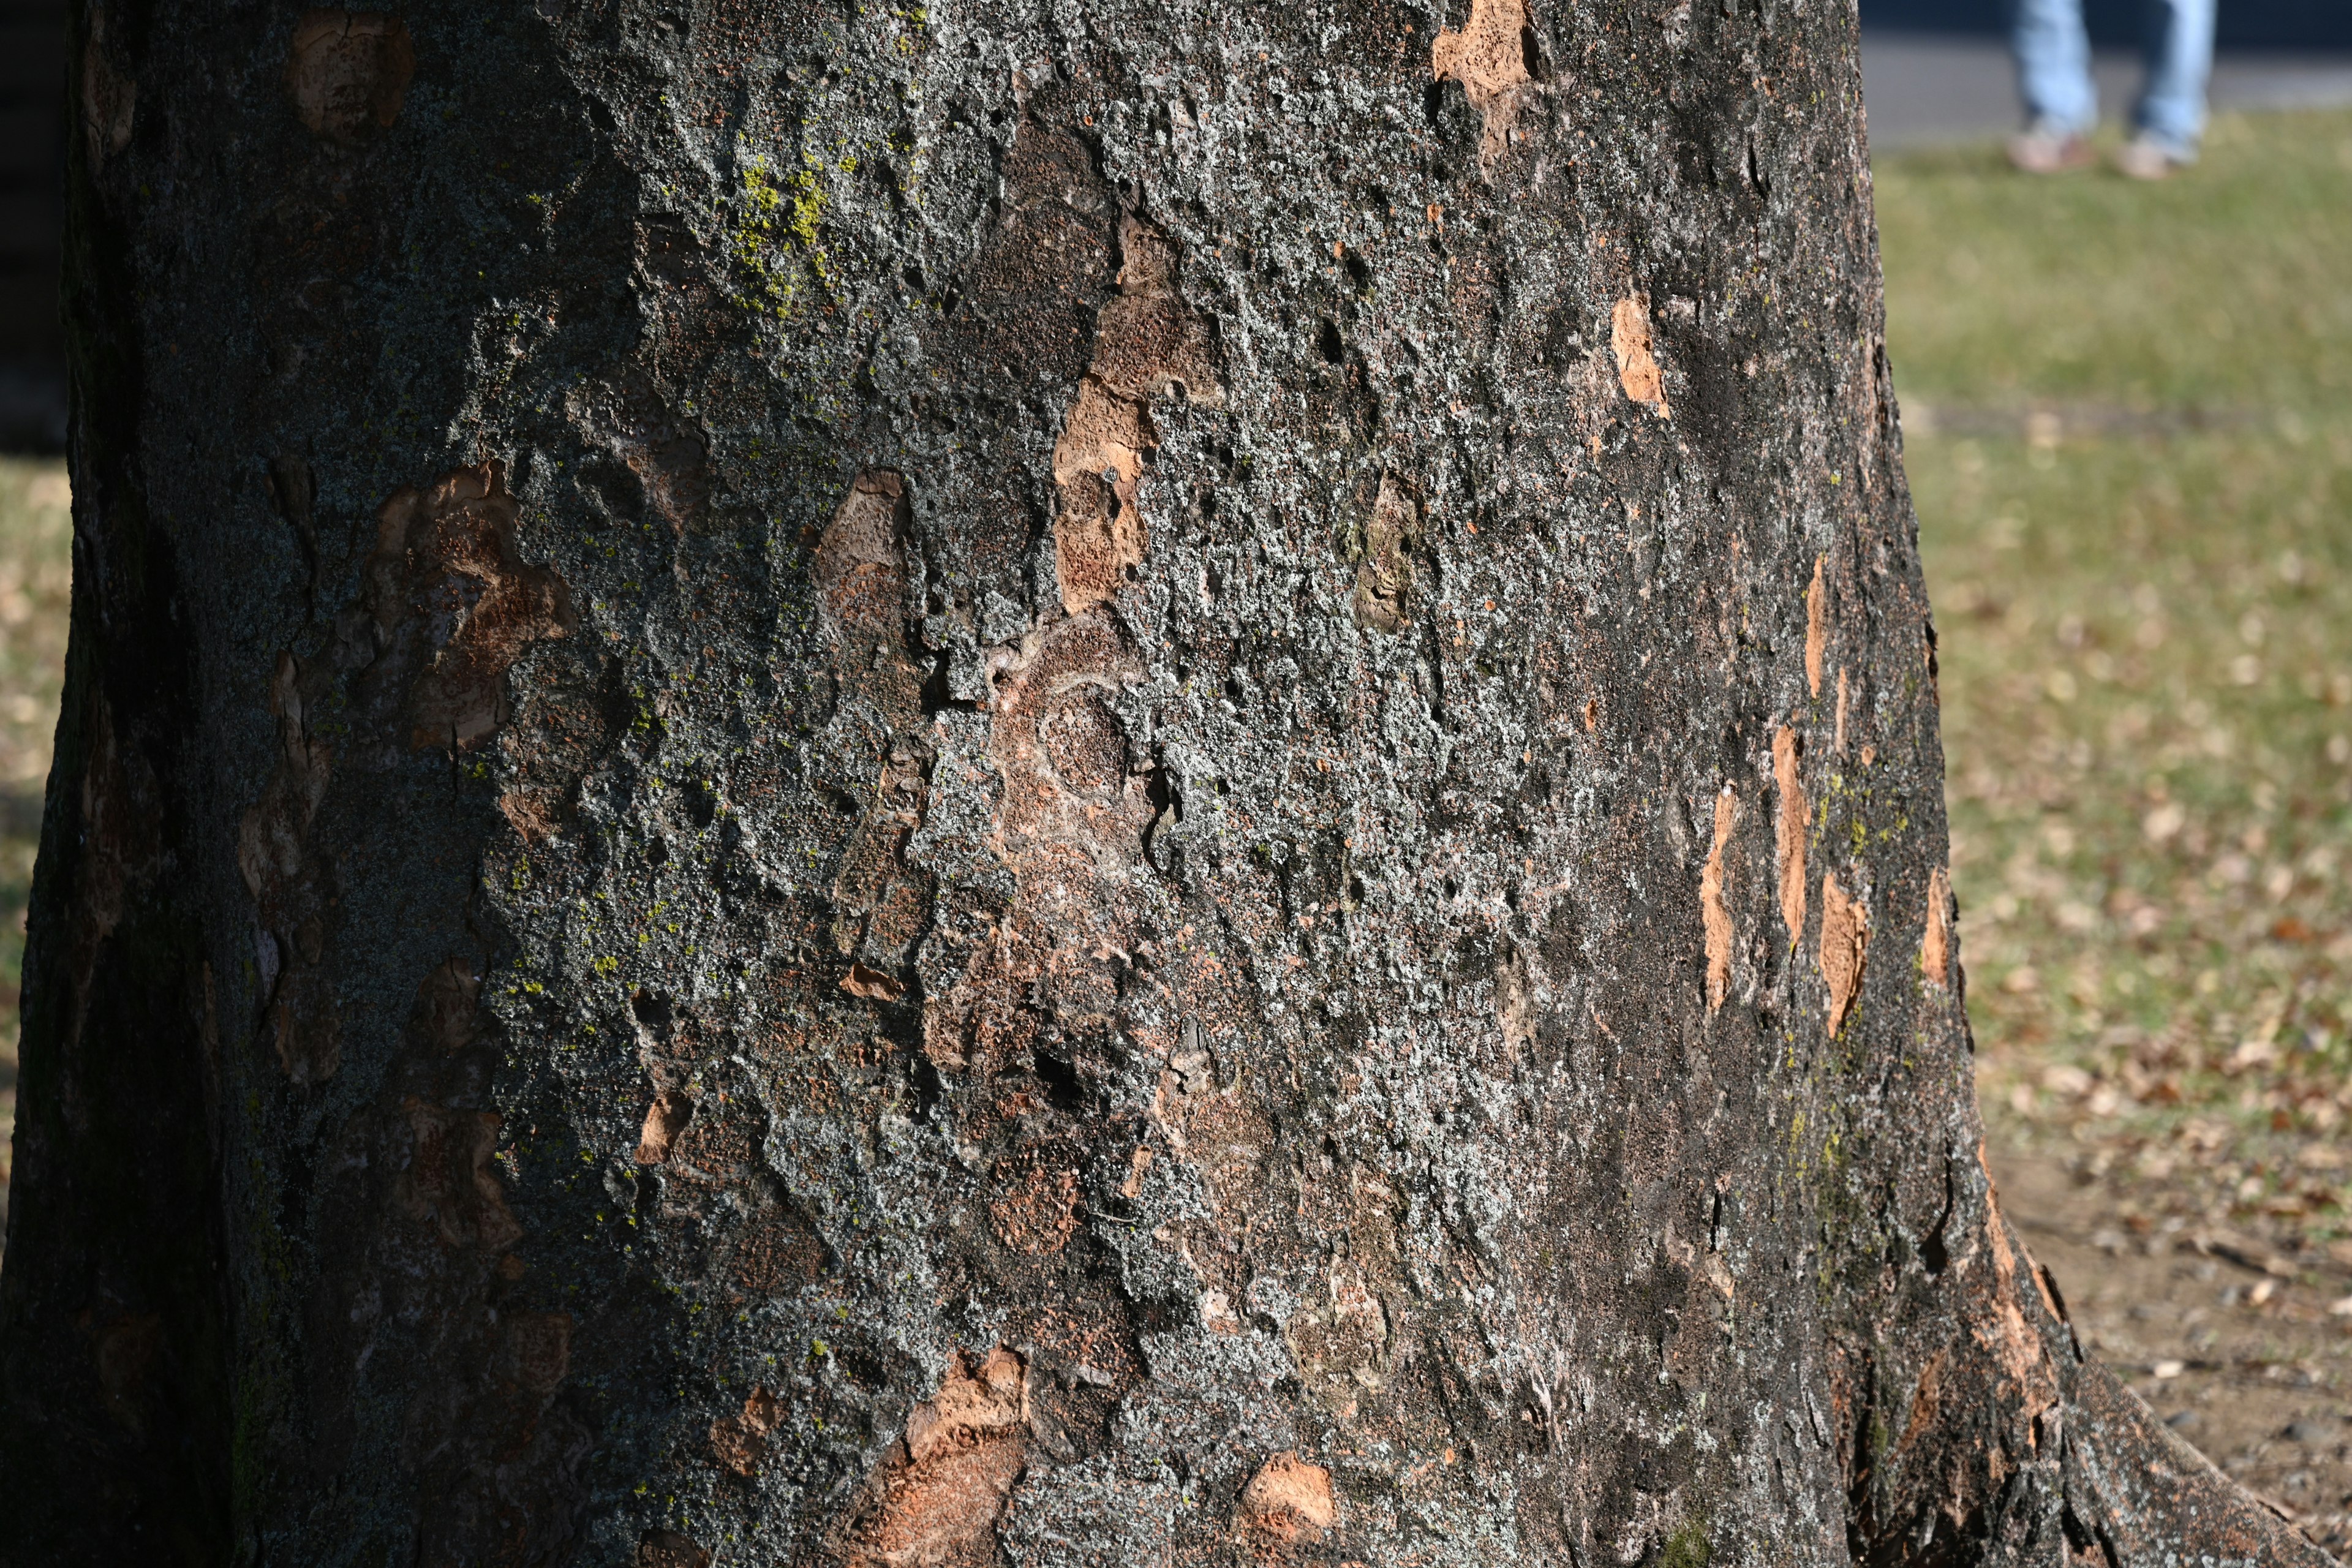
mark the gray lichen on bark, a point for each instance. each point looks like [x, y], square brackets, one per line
[1100, 783]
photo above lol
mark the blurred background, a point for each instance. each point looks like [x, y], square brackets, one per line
[2127, 421]
[2127, 411]
[36, 524]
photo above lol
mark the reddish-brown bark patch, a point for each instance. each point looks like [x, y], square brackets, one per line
[450, 1178]
[447, 579]
[1147, 341]
[124, 1353]
[443, 1018]
[859, 570]
[532, 814]
[665, 1118]
[776, 1250]
[1817, 615]
[941, 1495]
[2021, 1353]
[741, 1441]
[1287, 1500]
[668, 1549]
[108, 98]
[1036, 1206]
[536, 1351]
[1391, 535]
[871, 983]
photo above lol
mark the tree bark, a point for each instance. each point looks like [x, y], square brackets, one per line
[1112, 784]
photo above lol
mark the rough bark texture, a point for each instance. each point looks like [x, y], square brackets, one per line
[1108, 784]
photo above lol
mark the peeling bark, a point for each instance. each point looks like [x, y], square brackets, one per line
[950, 786]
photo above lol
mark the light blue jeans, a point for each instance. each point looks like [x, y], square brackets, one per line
[2053, 69]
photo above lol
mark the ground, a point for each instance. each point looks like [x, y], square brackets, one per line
[2129, 419]
[2232, 1343]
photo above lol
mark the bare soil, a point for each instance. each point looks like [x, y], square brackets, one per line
[2228, 1336]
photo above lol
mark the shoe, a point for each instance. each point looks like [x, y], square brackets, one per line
[2048, 149]
[2145, 158]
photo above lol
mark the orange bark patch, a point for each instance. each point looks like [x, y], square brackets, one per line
[874, 870]
[722, 1140]
[1817, 608]
[304, 1027]
[1103, 437]
[944, 1492]
[1139, 1164]
[347, 71]
[777, 1251]
[1846, 933]
[124, 1351]
[1098, 539]
[1147, 341]
[1342, 1339]
[1288, 1500]
[1838, 744]
[974, 1404]
[665, 1118]
[1788, 833]
[1070, 827]
[741, 1441]
[1936, 946]
[1489, 57]
[1713, 910]
[669, 456]
[1637, 366]
[448, 576]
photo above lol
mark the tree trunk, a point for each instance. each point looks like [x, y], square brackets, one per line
[1145, 785]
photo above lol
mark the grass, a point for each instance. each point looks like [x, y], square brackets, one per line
[2130, 415]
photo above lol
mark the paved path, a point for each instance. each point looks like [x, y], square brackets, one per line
[1927, 87]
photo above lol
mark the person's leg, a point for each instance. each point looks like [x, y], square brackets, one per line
[2172, 107]
[2053, 66]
